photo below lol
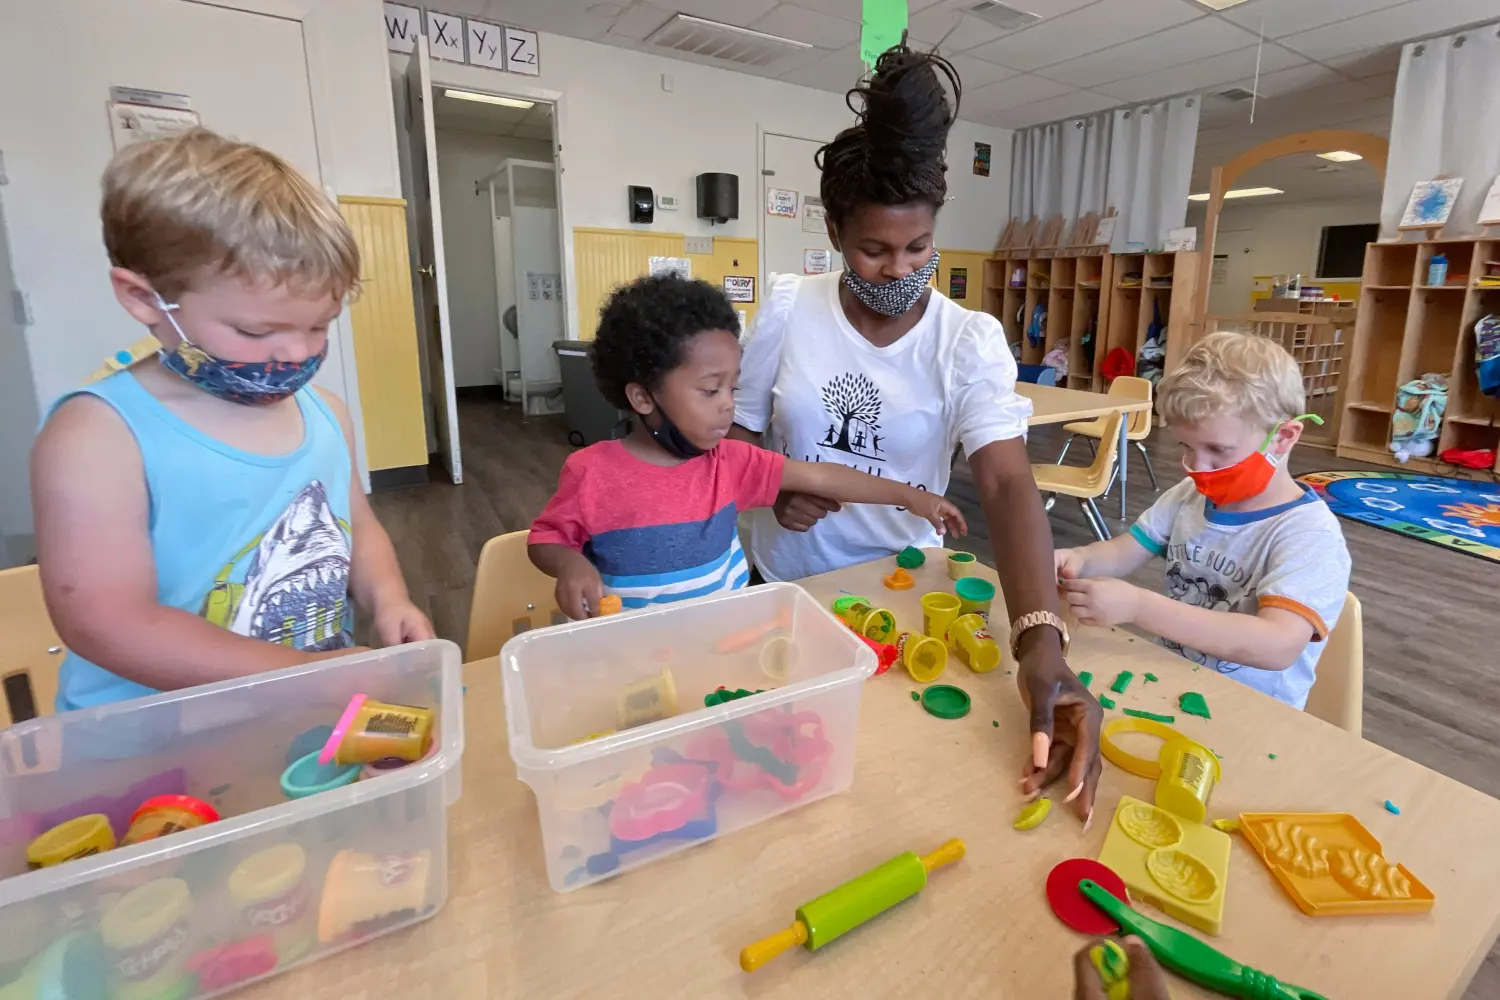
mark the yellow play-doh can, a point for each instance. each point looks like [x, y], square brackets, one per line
[146, 938]
[975, 646]
[268, 887]
[77, 838]
[924, 657]
[939, 608]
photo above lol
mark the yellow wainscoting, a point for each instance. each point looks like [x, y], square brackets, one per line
[385, 335]
[971, 261]
[605, 259]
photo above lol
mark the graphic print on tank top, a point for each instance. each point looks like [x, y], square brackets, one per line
[853, 403]
[296, 583]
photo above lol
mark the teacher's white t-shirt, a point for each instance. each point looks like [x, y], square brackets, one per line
[820, 392]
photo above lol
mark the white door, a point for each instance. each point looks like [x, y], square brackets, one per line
[431, 266]
[18, 418]
[789, 166]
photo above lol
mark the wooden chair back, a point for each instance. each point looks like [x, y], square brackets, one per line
[1338, 694]
[510, 596]
[31, 653]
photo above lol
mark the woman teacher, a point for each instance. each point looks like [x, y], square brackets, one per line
[873, 368]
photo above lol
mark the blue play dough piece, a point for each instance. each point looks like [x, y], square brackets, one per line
[1392, 808]
[123, 357]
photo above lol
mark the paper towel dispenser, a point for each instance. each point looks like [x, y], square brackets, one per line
[718, 197]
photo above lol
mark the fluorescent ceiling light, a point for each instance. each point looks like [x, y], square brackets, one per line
[1340, 156]
[504, 102]
[1220, 4]
[1240, 193]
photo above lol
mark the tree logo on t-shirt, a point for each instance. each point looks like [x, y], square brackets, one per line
[854, 403]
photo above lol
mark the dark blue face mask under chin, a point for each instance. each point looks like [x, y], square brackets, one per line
[666, 434]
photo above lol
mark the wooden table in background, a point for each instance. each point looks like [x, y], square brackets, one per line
[982, 927]
[1053, 405]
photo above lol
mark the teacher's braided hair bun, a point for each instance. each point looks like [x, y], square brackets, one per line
[894, 154]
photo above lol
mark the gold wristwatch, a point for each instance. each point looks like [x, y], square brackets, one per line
[1032, 619]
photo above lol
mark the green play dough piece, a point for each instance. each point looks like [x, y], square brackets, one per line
[1106, 701]
[1271, 755]
[910, 557]
[1149, 679]
[915, 696]
[1193, 703]
[946, 701]
[1122, 682]
[996, 724]
[1150, 715]
[1085, 678]
[722, 695]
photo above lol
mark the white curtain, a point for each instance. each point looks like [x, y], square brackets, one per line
[1446, 122]
[1137, 160]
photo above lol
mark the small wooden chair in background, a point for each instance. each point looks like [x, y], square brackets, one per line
[1338, 695]
[31, 653]
[510, 596]
[1084, 483]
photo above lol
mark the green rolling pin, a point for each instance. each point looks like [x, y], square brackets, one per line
[835, 913]
[1192, 959]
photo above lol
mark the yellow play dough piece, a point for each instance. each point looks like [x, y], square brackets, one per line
[1033, 814]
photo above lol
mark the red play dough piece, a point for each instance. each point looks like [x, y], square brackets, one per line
[1072, 907]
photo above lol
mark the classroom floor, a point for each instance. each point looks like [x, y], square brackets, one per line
[1431, 618]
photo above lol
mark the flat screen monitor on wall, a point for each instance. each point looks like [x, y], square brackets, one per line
[1341, 254]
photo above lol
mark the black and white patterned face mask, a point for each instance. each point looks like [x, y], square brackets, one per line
[894, 297]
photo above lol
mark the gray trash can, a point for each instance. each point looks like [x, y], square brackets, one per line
[590, 416]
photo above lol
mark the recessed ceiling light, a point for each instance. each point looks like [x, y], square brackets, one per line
[505, 102]
[1340, 156]
[1255, 192]
[1220, 4]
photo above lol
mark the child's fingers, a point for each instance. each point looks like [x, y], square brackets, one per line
[1147, 981]
[955, 517]
[1086, 982]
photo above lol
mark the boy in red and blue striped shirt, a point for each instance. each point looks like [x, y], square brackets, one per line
[651, 517]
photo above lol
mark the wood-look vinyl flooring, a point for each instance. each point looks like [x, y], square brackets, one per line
[1431, 616]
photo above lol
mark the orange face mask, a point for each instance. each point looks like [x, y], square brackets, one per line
[1245, 478]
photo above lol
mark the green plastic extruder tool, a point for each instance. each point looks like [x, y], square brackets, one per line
[1192, 959]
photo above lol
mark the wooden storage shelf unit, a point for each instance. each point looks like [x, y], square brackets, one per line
[1405, 332]
[1141, 285]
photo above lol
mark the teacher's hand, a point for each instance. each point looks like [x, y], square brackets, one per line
[800, 511]
[1065, 723]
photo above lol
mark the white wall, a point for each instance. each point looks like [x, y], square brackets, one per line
[1274, 239]
[463, 158]
[617, 127]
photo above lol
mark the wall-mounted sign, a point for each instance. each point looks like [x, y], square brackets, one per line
[486, 44]
[817, 261]
[445, 36]
[403, 25]
[739, 288]
[522, 54]
[132, 123]
[782, 202]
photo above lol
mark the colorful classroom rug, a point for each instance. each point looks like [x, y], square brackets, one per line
[1457, 514]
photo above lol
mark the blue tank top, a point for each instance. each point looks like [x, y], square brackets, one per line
[257, 544]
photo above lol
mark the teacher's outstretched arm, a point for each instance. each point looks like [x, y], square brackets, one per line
[1065, 718]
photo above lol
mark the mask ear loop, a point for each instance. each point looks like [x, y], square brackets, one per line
[1271, 437]
[167, 309]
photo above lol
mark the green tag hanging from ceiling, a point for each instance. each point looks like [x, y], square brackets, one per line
[883, 23]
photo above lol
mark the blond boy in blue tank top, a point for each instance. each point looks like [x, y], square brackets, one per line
[198, 514]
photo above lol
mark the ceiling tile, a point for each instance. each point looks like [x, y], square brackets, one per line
[639, 20]
[953, 29]
[1413, 19]
[823, 30]
[1086, 30]
[1207, 36]
[1370, 62]
[740, 12]
[1286, 17]
[976, 73]
[1079, 102]
[1202, 74]
[1012, 93]
[852, 10]
[836, 71]
[574, 18]
[1289, 81]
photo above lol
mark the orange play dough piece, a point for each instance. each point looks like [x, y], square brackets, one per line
[609, 604]
[900, 580]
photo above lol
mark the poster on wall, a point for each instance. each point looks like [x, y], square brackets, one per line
[814, 216]
[982, 159]
[782, 202]
[1431, 203]
[1221, 269]
[403, 25]
[817, 261]
[522, 54]
[680, 266]
[132, 123]
[486, 44]
[739, 288]
[445, 36]
[958, 283]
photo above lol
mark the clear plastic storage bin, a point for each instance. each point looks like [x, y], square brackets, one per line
[273, 883]
[609, 728]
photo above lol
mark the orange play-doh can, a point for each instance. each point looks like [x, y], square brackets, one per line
[370, 730]
[365, 891]
[165, 814]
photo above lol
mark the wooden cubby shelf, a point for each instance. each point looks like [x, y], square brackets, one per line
[1407, 329]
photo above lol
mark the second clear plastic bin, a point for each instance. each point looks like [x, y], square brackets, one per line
[609, 728]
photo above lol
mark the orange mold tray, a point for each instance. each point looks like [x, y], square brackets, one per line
[1330, 864]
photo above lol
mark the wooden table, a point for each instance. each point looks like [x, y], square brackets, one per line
[1053, 405]
[982, 928]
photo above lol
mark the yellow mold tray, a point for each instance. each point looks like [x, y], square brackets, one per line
[1178, 866]
[1330, 864]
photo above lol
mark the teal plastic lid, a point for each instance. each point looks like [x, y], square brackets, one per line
[308, 777]
[974, 589]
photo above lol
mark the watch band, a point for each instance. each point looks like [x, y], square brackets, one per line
[1032, 619]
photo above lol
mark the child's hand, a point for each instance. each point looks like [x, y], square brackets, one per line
[943, 516]
[1102, 602]
[398, 622]
[579, 589]
[1147, 981]
[1070, 563]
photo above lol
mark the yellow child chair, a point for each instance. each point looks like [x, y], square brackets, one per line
[1338, 694]
[1086, 482]
[30, 651]
[510, 596]
[1140, 424]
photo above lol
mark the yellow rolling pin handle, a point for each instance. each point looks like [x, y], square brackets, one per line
[761, 952]
[950, 852]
